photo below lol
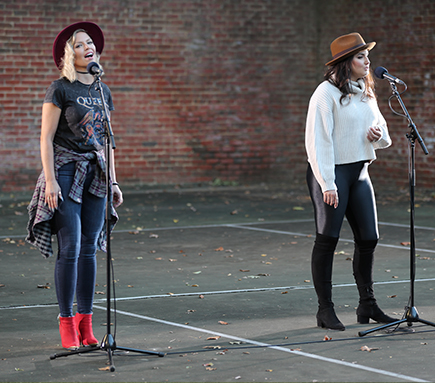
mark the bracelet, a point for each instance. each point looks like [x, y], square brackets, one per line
[115, 183]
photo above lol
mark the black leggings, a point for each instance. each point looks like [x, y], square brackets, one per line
[356, 202]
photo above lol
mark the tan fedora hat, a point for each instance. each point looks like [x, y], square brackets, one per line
[346, 45]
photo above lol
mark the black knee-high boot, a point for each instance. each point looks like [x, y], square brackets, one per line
[363, 273]
[321, 268]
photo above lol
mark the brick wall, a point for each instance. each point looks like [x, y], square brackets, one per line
[208, 89]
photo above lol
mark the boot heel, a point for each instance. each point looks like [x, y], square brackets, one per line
[326, 318]
[362, 319]
[68, 333]
[83, 323]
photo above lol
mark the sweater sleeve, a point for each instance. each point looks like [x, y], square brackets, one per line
[319, 137]
[385, 140]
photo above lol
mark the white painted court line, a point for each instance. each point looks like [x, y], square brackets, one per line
[406, 226]
[217, 292]
[242, 226]
[278, 348]
[256, 290]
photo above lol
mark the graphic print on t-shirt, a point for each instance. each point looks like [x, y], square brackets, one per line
[92, 129]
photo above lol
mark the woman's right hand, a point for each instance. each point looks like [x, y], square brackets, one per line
[52, 195]
[330, 197]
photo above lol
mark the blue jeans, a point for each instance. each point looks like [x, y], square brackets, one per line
[77, 227]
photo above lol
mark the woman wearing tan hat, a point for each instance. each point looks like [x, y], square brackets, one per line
[69, 198]
[344, 128]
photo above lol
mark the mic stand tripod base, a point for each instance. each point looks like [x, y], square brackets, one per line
[411, 317]
[108, 344]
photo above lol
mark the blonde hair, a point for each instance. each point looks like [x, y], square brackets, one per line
[68, 69]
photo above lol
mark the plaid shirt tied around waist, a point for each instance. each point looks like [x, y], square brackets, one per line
[39, 230]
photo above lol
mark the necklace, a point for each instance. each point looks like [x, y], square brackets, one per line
[81, 72]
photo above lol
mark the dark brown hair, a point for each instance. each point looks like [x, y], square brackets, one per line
[339, 74]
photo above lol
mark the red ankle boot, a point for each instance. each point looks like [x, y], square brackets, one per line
[68, 333]
[84, 328]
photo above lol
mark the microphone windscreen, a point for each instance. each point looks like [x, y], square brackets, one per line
[93, 68]
[380, 71]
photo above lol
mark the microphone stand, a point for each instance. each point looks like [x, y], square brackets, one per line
[411, 314]
[108, 343]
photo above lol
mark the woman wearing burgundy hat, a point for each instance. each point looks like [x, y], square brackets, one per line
[69, 199]
[344, 128]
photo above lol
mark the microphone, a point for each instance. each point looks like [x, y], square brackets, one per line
[382, 73]
[94, 69]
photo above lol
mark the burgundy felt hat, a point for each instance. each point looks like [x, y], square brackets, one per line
[346, 45]
[92, 29]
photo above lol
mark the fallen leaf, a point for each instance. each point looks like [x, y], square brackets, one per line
[269, 370]
[369, 349]
[392, 296]
[307, 281]
[46, 286]
[244, 271]
[208, 364]
[298, 208]
[210, 368]
[104, 368]
[201, 296]
[219, 249]
[405, 243]
[154, 236]
[212, 347]
[213, 337]
[222, 322]
[327, 338]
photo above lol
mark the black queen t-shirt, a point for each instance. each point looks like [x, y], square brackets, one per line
[80, 127]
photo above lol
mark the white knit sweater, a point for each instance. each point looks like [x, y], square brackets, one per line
[337, 133]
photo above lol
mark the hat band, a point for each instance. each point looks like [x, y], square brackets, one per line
[348, 50]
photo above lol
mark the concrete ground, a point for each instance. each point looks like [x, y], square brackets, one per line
[219, 282]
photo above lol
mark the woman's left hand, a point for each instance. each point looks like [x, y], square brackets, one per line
[117, 196]
[374, 134]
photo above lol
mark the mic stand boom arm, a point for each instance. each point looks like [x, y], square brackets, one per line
[413, 134]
